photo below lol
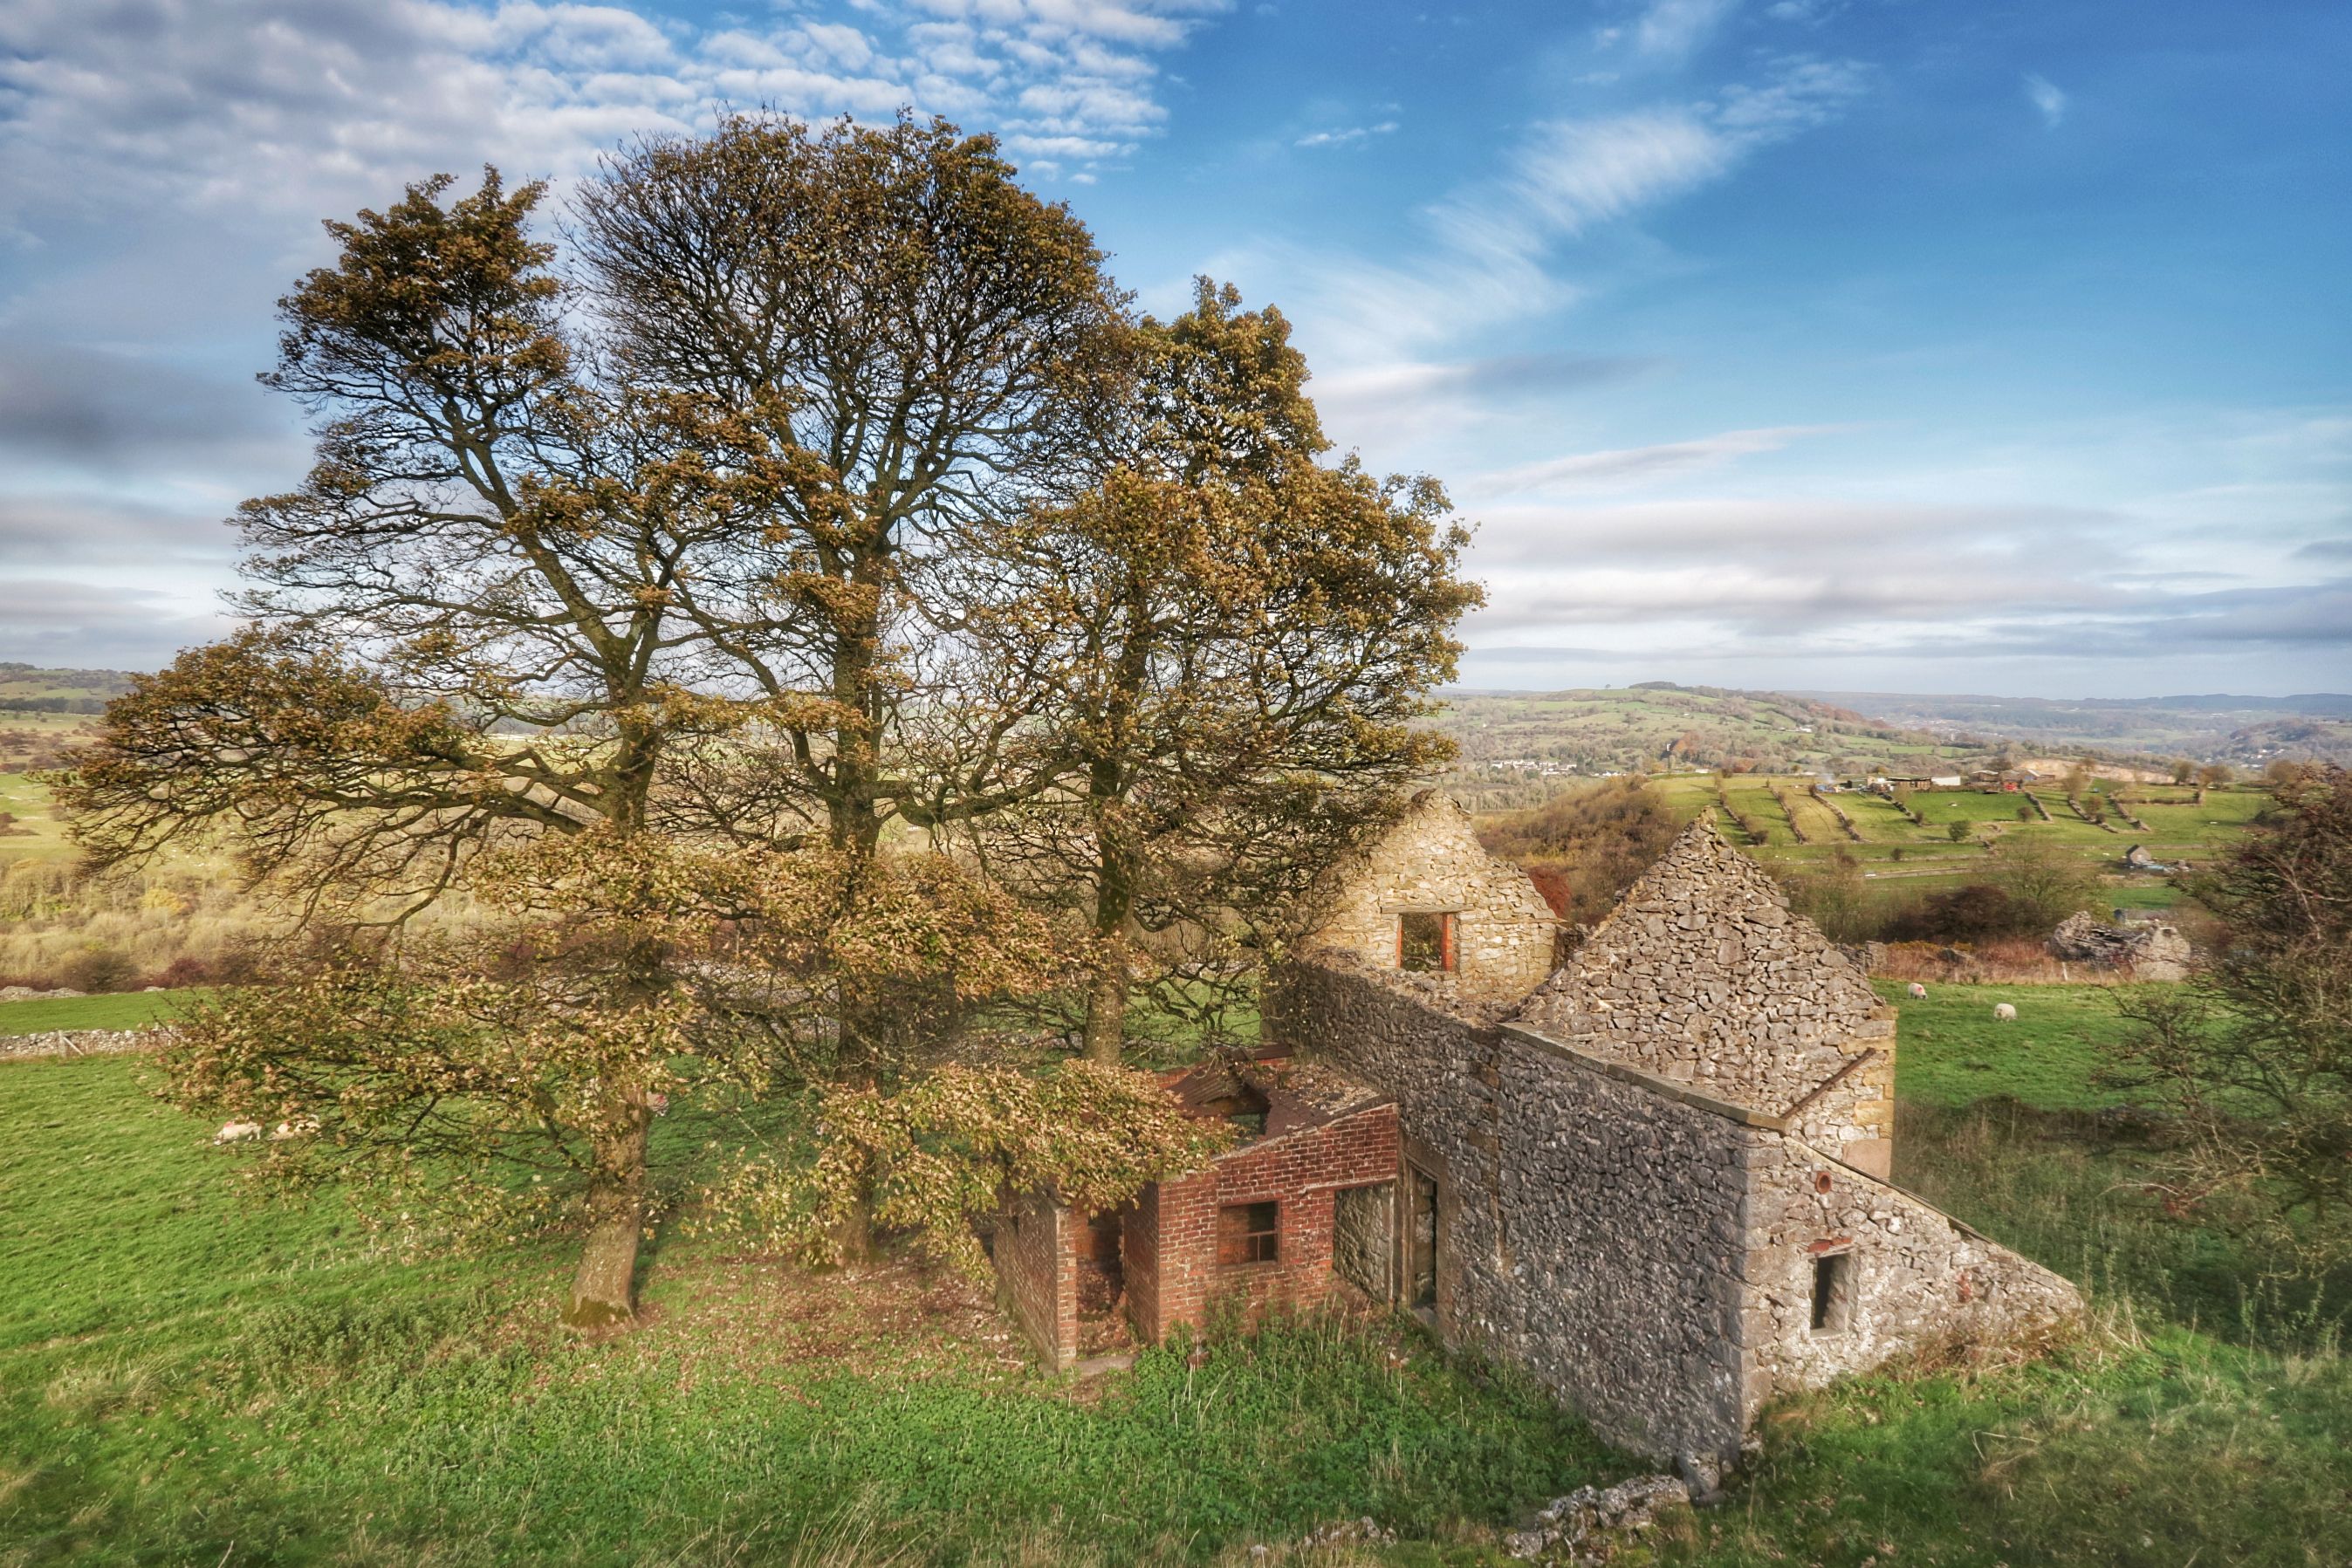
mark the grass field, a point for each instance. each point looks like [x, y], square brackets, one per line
[188, 1376]
[185, 1377]
[129, 1010]
[1952, 1051]
[35, 834]
[1904, 861]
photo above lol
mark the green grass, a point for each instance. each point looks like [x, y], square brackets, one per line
[129, 1010]
[186, 1376]
[35, 834]
[1952, 1051]
[2168, 1451]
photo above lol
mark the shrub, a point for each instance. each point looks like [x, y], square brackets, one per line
[1968, 914]
[96, 968]
[1587, 845]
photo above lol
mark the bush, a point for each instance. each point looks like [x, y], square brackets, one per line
[98, 968]
[1586, 846]
[1968, 914]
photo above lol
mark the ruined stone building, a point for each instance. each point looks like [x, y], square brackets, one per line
[1654, 1176]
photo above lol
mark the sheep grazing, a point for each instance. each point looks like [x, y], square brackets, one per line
[2004, 1012]
[300, 1128]
[237, 1131]
[1919, 992]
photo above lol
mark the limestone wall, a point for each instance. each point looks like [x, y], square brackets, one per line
[1644, 1248]
[1918, 1279]
[1587, 1225]
[1432, 863]
[1703, 975]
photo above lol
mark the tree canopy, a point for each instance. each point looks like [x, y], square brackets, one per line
[811, 569]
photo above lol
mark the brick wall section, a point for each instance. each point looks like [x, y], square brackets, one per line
[1300, 1172]
[1703, 975]
[1643, 1249]
[1037, 1275]
[1432, 862]
[1140, 1256]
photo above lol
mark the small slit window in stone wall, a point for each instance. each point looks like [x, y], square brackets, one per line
[1832, 1292]
[1248, 1233]
[1424, 941]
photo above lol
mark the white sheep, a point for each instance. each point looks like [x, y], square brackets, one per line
[2004, 1012]
[237, 1131]
[1919, 992]
[300, 1128]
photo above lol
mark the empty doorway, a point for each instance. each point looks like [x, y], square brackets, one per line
[1421, 1241]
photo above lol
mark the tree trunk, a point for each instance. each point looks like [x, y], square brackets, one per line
[602, 1291]
[1107, 1000]
[1105, 1035]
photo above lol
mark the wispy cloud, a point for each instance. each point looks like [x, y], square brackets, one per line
[1493, 240]
[2046, 98]
[1354, 133]
[1676, 27]
[1640, 465]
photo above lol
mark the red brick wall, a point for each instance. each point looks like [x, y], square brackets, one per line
[1172, 1272]
[1140, 1247]
[1036, 1275]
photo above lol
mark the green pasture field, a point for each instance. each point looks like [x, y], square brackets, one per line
[129, 1010]
[35, 834]
[1951, 1051]
[1931, 863]
[188, 1375]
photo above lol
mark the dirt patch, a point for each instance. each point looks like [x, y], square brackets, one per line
[766, 1317]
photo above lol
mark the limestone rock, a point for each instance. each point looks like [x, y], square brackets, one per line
[2152, 952]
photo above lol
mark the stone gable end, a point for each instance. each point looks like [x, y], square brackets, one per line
[1431, 862]
[1703, 975]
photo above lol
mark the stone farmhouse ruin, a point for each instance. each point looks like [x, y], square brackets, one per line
[1654, 1176]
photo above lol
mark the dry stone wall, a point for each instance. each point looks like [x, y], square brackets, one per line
[81, 1042]
[1915, 1278]
[1646, 1249]
[1432, 863]
[1588, 1227]
[1703, 975]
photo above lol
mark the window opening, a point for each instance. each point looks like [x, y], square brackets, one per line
[1248, 1233]
[1424, 941]
[1832, 1291]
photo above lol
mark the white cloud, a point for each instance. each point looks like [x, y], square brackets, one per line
[1640, 465]
[1353, 133]
[1676, 27]
[263, 105]
[2046, 97]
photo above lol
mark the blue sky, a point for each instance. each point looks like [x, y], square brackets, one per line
[1831, 344]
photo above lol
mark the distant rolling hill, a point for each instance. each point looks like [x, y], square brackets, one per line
[2245, 732]
[1512, 741]
[28, 688]
[1519, 746]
